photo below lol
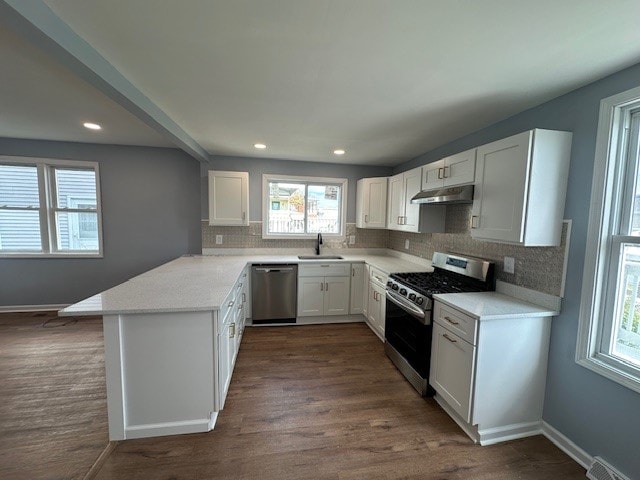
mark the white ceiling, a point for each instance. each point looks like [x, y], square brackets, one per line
[386, 80]
[41, 100]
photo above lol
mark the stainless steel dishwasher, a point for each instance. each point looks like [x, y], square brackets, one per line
[274, 293]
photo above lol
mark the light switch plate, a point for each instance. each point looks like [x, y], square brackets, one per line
[218, 239]
[509, 264]
[406, 244]
[352, 239]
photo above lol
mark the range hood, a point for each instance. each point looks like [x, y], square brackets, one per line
[446, 196]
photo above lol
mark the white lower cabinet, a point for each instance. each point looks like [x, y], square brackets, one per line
[226, 355]
[490, 374]
[357, 289]
[376, 306]
[376, 309]
[452, 369]
[324, 289]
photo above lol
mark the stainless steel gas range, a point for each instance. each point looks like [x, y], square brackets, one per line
[409, 304]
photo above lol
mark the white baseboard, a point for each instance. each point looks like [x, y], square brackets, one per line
[32, 308]
[491, 436]
[566, 445]
[170, 428]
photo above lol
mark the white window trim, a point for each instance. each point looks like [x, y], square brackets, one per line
[592, 319]
[269, 177]
[47, 223]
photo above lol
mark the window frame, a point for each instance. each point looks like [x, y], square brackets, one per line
[48, 207]
[611, 201]
[341, 182]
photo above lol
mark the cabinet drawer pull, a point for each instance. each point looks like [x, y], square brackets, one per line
[232, 330]
[453, 322]
[366, 219]
[231, 303]
[474, 221]
[325, 265]
[449, 338]
[244, 297]
[240, 306]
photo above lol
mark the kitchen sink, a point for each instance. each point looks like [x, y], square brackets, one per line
[319, 257]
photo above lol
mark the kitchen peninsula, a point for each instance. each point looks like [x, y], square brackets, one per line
[172, 335]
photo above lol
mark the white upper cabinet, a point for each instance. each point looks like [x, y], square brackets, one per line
[458, 169]
[371, 203]
[410, 217]
[228, 198]
[520, 189]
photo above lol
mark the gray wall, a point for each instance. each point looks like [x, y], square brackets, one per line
[599, 415]
[150, 214]
[257, 166]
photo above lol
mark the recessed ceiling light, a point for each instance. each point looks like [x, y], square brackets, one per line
[260, 145]
[92, 126]
[339, 152]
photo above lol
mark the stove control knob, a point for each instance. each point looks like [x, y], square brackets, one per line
[403, 291]
[389, 283]
[412, 296]
[419, 300]
[394, 286]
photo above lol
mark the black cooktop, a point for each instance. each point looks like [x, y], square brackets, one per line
[439, 281]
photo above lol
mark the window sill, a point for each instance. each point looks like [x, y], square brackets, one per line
[608, 369]
[23, 255]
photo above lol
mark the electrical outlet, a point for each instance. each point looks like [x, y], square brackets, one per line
[352, 239]
[218, 239]
[509, 264]
[406, 244]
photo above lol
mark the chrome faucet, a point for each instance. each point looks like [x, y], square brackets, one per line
[318, 243]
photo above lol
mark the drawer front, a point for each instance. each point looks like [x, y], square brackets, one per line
[325, 270]
[455, 321]
[378, 277]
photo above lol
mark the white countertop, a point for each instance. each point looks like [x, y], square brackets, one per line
[201, 283]
[493, 305]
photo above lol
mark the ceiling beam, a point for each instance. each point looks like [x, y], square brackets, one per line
[35, 21]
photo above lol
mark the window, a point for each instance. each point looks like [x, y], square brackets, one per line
[302, 207]
[609, 334]
[49, 208]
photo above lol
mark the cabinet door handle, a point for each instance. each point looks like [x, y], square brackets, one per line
[374, 295]
[474, 221]
[232, 330]
[322, 286]
[326, 287]
[353, 272]
[453, 322]
[444, 172]
[240, 306]
[439, 173]
[366, 219]
[449, 338]
[244, 297]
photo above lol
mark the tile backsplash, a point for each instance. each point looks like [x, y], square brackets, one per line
[251, 237]
[538, 268]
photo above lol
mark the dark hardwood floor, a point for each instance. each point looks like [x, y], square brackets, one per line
[323, 402]
[53, 421]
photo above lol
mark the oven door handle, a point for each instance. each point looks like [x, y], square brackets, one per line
[412, 309]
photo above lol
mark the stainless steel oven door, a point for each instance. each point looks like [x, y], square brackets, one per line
[409, 307]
